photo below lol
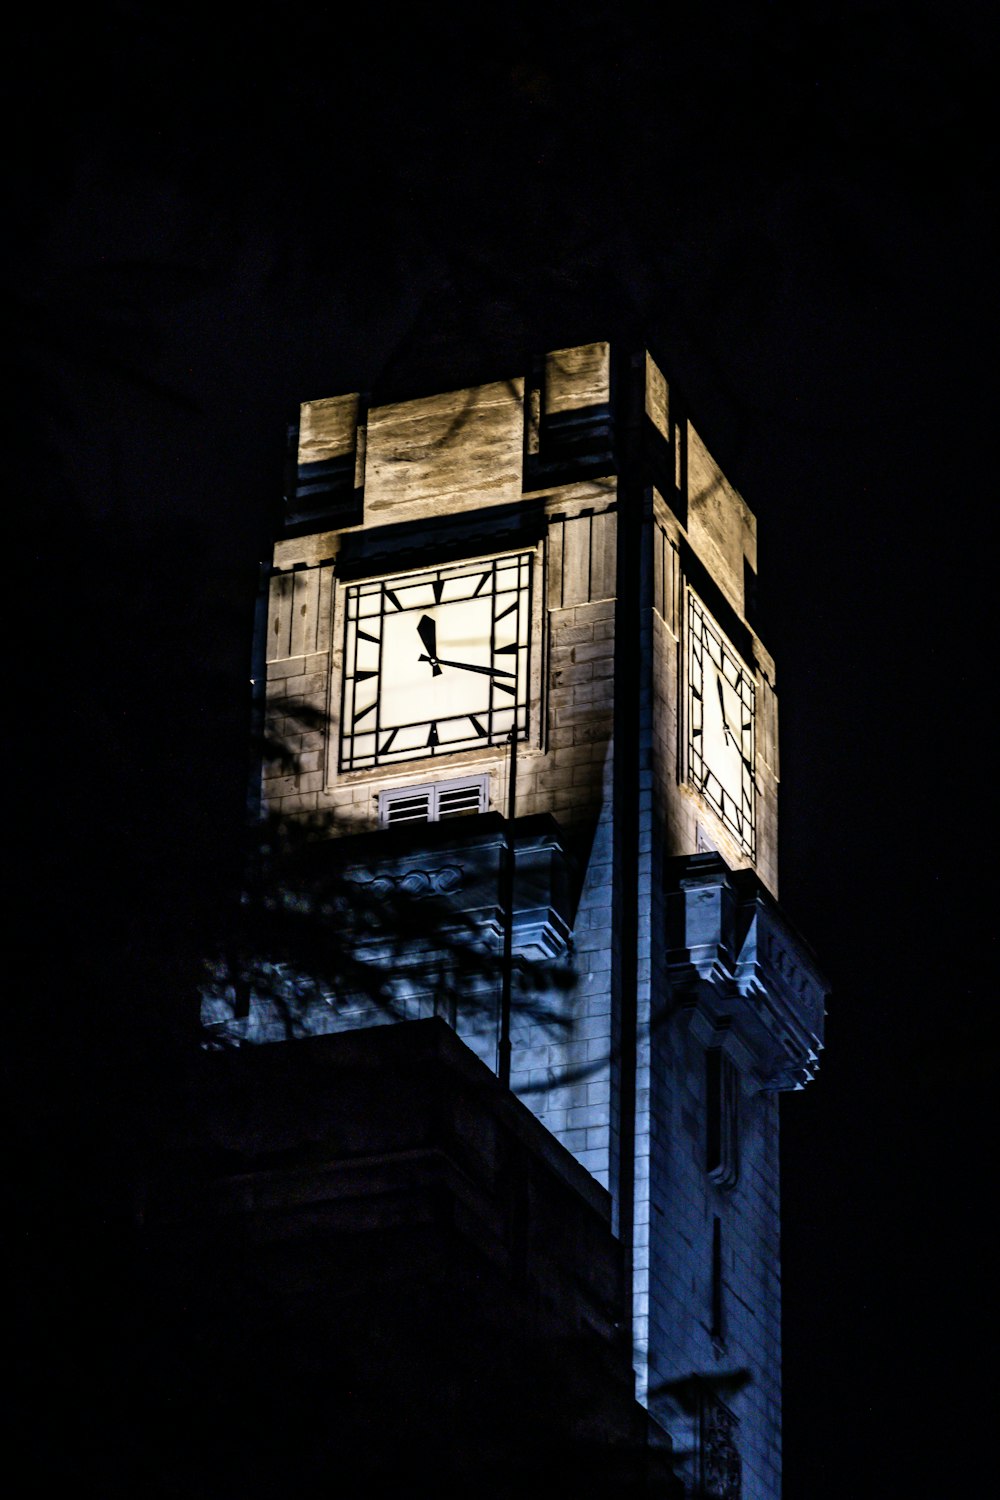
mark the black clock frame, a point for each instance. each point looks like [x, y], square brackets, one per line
[485, 730]
[702, 634]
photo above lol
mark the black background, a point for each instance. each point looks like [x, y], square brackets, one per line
[788, 205]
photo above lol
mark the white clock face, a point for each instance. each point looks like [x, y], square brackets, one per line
[721, 701]
[435, 662]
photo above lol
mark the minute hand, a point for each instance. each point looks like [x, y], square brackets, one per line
[465, 666]
[727, 732]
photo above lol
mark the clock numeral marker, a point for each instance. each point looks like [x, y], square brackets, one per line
[504, 612]
[364, 713]
[432, 738]
[392, 599]
[364, 636]
[437, 586]
[477, 727]
[481, 585]
[387, 744]
[364, 676]
[505, 650]
[504, 687]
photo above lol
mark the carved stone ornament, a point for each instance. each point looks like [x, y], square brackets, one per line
[721, 1469]
[439, 882]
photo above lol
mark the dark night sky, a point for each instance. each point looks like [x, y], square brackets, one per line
[788, 204]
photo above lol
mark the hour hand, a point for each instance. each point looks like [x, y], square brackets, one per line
[427, 631]
[722, 705]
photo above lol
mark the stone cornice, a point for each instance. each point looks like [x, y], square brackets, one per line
[742, 970]
[461, 859]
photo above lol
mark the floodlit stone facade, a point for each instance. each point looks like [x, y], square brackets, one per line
[646, 790]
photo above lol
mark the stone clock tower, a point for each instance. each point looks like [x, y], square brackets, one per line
[548, 578]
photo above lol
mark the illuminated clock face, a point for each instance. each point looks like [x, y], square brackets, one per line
[435, 662]
[721, 709]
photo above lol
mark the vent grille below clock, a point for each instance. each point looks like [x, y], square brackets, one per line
[456, 800]
[432, 802]
[407, 809]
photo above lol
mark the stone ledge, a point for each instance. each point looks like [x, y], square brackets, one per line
[749, 980]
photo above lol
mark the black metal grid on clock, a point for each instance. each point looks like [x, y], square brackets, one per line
[708, 652]
[377, 726]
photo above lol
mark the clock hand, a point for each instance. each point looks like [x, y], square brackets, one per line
[427, 631]
[722, 705]
[465, 666]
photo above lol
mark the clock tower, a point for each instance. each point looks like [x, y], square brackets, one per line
[524, 613]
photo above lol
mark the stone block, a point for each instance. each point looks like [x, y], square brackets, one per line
[298, 802]
[594, 651]
[289, 666]
[596, 727]
[572, 635]
[595, 1159]
[313, 688]
[278, 688]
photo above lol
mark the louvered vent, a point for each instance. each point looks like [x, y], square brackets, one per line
[406, 807]
[431, 803]
[453, 801]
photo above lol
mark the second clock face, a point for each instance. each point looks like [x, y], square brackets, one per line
[435, 662]
[721, 703]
